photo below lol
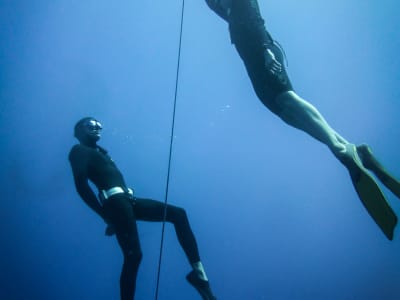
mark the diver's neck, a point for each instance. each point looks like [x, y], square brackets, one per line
[90, 144]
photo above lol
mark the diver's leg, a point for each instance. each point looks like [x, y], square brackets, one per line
[151, 210]
[371, 163]
[129, 243]
[265, 66]
[122, 217]
[275, 91]
[301, 114]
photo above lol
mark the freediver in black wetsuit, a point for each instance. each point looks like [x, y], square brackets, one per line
[120, 209]
[264, 62]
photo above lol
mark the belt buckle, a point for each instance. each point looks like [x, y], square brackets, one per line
[105, 194]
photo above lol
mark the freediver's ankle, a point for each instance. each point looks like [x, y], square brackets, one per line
[199, 269]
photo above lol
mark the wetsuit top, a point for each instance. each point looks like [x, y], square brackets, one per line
[95, 165]
[244, 18]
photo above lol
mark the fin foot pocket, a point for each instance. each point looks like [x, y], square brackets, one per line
[202, 286]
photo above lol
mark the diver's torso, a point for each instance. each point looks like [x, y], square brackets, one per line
[246, 22]
[102, 170]
[245, 11]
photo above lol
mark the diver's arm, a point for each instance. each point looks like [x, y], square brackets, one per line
[87, 194]
[78, 160]
[274, 66]
[216, 6]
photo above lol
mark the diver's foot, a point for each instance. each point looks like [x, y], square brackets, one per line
[370, 162]
[369, 192]
[202, 286]
[366, 156]
[352, 161]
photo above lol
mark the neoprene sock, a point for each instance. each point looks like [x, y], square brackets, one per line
[199, 269]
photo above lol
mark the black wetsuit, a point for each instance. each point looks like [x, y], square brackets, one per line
[122, 211]
[251, 39]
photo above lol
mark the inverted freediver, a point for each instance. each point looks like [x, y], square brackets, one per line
[120, 208]
[264, 62]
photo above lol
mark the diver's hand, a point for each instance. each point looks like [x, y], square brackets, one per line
[274, 66]
[110, 230]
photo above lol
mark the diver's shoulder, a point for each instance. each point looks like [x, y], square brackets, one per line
[78, 148]
[78, 151]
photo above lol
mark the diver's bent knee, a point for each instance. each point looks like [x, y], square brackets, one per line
[177, 214]
[285, 98]
[181, 213]
[133, 257]
[284, 101]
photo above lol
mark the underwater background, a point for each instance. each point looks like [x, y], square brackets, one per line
[274, 213]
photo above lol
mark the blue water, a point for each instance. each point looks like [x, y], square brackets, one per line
[274, 213]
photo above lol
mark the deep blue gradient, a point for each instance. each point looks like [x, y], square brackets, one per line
[274, 213]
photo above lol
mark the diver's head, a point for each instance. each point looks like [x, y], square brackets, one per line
[87, 131]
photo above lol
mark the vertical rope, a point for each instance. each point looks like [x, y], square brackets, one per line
[170, 151]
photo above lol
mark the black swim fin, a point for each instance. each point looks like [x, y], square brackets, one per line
[369, 192]
[370, 162]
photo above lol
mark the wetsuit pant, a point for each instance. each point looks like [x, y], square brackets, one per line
[253, 53]
[123, 212]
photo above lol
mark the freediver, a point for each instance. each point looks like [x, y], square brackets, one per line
[120, 209]
[264, 61]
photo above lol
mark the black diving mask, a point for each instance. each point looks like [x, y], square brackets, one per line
[93, 125]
